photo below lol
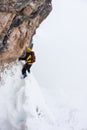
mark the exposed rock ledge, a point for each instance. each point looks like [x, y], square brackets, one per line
[18, 22]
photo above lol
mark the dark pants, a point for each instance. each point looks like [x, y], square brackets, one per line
[26, 67]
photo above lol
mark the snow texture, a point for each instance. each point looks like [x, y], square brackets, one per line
[22, 106]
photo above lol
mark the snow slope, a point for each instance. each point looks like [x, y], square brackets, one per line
[22, 106]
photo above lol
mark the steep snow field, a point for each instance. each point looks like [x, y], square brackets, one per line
[22, 106]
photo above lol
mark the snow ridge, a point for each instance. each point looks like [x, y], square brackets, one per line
[22, 106]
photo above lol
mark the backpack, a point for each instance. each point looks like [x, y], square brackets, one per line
[33, 58]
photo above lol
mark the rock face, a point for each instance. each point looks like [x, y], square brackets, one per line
[19, 20]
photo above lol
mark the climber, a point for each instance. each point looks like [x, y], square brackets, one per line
[30, 59]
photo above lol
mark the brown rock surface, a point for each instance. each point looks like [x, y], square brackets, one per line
[19, 20]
